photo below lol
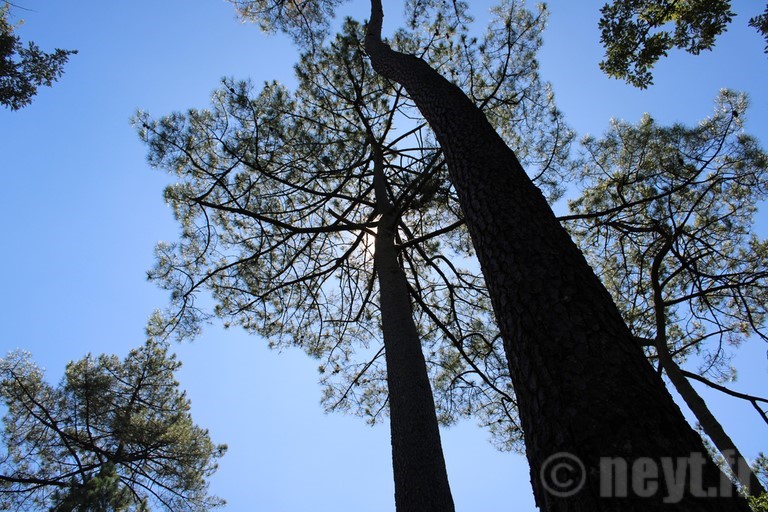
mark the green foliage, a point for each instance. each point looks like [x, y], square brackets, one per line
[761, 24]
[682, 199]
[305, 21]
[24, 69]
[101, 493]
[636, 33]
[276, 203]
[760, 468]
[758, 504]
[113, 435]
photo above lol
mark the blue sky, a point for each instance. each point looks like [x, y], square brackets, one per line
[82, 211]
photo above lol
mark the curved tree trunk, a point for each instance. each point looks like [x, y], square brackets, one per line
[421, 480]
[583, 385]
[709, 424]
[723, 442]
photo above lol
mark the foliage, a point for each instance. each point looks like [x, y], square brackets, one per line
[635, 36]
[102, 492]
[760, 467]
[275, 200]
[306, 21]
[761, 24]
[24, 69]
[759, 504]
[113, 435]
[681, 201]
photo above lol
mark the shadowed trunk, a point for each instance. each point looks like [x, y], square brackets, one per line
[421, 480]
[583, 385]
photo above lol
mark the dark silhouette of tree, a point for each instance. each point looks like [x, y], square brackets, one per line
[666, 219]
[24, 69]
[760, 23]
[316, 220]
[581, 380]
[114, 435]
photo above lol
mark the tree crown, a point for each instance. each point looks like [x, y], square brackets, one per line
[116, 433]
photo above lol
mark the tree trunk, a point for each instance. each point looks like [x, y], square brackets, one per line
[421, 480]
[583, 385]
[723, 442]
[710, 425]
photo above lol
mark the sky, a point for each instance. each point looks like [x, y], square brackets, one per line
[82, 211]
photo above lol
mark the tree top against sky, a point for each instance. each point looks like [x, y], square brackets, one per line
[25, 68]
[462, 146]
[697, 189]
[112, 431]
[637, 33]
[315, 233]
[89, 150]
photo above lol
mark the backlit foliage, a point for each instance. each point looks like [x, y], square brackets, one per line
[25, 68]
[684, 198]
[113, 435]
[275, 199]
[637, 33]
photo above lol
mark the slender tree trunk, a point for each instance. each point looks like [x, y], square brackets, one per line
[421, 480]
[583, 385]
[723, 442]
[709, 424]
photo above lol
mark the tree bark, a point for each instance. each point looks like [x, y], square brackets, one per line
[421, 479]
[583, 385]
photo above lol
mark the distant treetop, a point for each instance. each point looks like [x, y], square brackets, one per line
[24, 69]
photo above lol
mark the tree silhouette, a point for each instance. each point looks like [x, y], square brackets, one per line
[582, 383]
[310, 216]
[24, 69]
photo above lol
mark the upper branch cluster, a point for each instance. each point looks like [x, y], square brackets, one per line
[682, 200]
[114, 435]
[276, 202]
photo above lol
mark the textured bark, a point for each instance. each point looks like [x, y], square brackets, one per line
[421, 480]
[583, 385]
